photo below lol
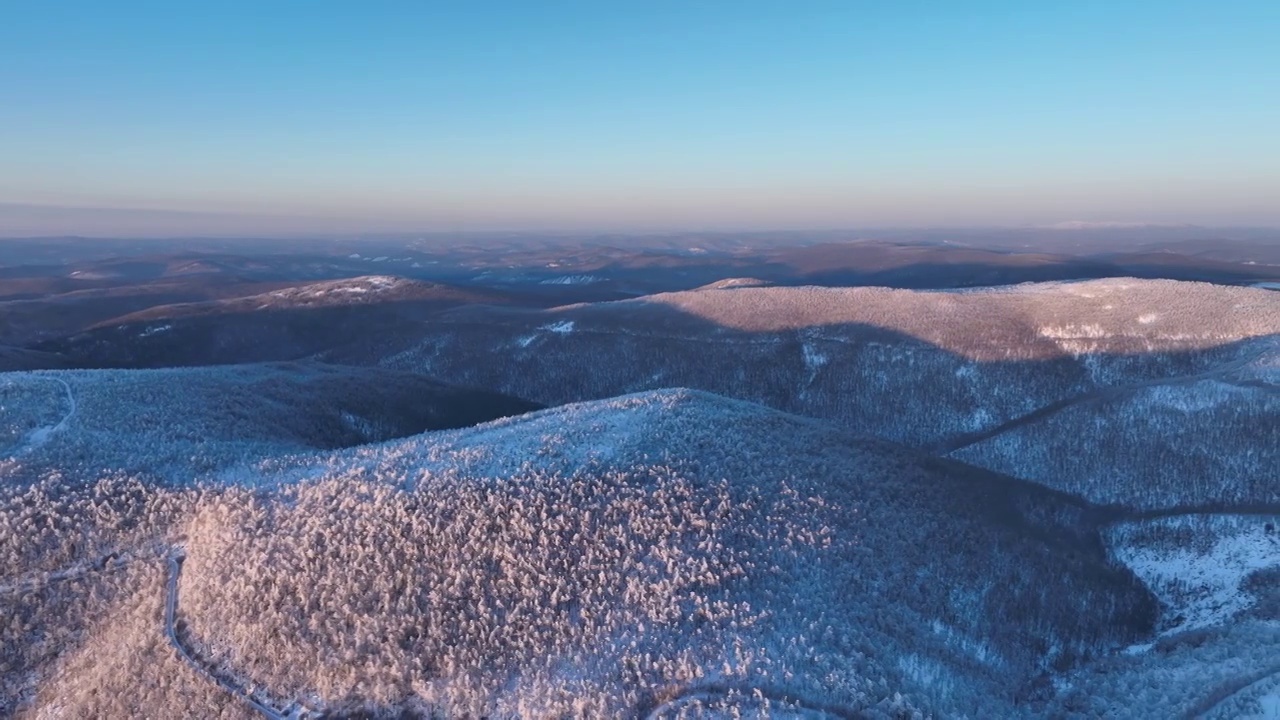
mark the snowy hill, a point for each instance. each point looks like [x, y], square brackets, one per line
[363, 290]
[817, 539]
[180, 425]
[350, 320]
[611, 559]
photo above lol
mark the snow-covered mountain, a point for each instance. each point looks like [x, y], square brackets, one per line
[184, 425]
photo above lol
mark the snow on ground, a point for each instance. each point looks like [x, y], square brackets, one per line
[155, 330]
[572, 435]
[358, 424]
[1196, 564]
[26, 399]
[571, 280]
[350, 286]
[974, 648]
[562, 327]
[731, 283]
[1202, 396]
[1074, 331]
[1268, 705]
[1259, 700]
[813, 360]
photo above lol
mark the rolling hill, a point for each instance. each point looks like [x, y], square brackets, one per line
[622, 558]
[44, 316]
[178, 426]
[1084, 381]
[352, 319]
[1055, 499]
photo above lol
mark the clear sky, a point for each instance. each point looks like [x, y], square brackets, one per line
[223, 117]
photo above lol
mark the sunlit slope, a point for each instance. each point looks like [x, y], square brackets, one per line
[604, 559]
[610, 557]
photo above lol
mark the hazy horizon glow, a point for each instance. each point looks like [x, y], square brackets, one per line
[328, 117]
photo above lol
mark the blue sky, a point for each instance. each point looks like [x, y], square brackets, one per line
[324, 116]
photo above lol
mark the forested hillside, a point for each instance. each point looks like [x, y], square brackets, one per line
[185, 425]
[300, 539]
[1121, 371]
[598, 559]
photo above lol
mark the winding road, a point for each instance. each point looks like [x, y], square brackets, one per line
[118, 560]
[1102, 394]
[1225, 693]
[291, 711]
[41, 435]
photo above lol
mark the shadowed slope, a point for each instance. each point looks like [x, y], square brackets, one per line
[14, 358]
[352, 320]
[996, 373]
[42, 316]
[180, 425]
